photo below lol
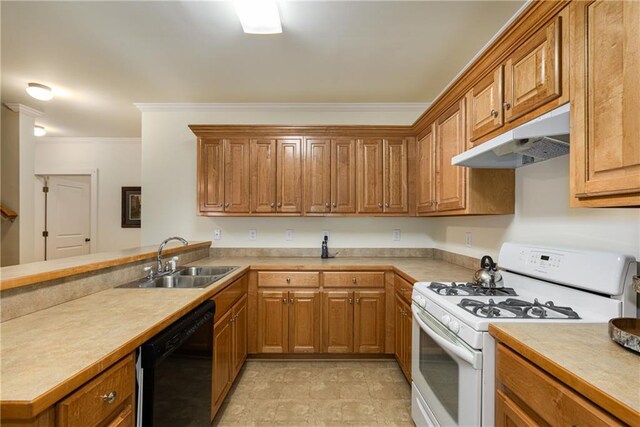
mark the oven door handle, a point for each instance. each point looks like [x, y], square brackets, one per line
[446, 343]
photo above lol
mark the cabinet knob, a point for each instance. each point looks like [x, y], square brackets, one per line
[353, 280]
[273, 205]
[350, 301]
[357, 300]
[506, 105]
[386, 205]
[327, 205]
[291, 301]
[109, 397]
[284, 300]
[220, 205]
[379, 205]
[334, 205]
[288, 279]
[226, 205]
[494, 113]
[279, 204]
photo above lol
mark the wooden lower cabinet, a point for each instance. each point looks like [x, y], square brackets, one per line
[403, 330]
[528, 396]
[289, 321]
[353, 321]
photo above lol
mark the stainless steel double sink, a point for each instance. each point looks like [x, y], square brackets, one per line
[185, 277]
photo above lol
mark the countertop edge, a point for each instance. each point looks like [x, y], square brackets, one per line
[87, 268]
[593, 393]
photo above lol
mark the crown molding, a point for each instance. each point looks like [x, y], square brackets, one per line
[87, 140]
[268, 106]
[21, 108]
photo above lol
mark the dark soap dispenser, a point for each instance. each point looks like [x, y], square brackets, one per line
[325, 248]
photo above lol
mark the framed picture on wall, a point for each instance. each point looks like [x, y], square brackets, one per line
[131, 207]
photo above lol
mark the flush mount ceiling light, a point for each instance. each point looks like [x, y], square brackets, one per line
[258, 16]
[39, 131]
[38, 91]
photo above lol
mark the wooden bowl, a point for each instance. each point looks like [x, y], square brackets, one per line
[626, 332]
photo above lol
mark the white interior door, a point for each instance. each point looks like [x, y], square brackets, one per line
[68, 216]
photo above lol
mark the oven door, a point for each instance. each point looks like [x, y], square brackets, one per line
[447, 374]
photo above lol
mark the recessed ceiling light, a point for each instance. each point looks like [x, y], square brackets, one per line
[39, 131]
[38, 91]
[258, 16]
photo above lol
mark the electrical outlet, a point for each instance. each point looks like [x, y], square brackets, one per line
[325, 233]
[217, 234]
[396, 234]
[467, 239]
[288, 234]
[253, 234]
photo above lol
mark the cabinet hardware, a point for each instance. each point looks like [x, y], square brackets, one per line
[353, 280]
[290, 300]
[357, 300]
[334, 205]
[494, 113]
[279, 204]
[386, 205]
[350, 301]
[284, 300]
[506, 105]
[327, 205]
[273, 205]
[109, 397]
[226, 205]
[379, 205]
[288, 279]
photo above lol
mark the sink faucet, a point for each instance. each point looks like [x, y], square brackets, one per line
[160, 269]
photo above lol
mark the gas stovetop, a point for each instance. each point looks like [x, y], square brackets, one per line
[469, 289]
[517, 309]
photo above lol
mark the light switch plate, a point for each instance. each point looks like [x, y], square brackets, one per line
[467, 239]
[396, 234]
[288, 234]
[217, 234]
[253, 234]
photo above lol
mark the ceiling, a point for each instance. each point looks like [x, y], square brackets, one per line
[101, 57]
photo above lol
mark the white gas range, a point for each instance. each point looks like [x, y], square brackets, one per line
[453, 356]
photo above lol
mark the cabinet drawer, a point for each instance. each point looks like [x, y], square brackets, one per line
[403, 288]
[225, 299]
[543, 396]
[286, 279]
[353, 279]
[90, 405]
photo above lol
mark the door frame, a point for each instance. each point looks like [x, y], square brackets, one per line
[93, 205]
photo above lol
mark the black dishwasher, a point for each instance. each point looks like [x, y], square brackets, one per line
[175, 370]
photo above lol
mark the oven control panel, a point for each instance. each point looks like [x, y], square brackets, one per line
[543, 261]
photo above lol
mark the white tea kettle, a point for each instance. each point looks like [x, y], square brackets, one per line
[488, 276]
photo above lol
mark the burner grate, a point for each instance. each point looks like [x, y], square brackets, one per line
[517, 309]
[469, 289]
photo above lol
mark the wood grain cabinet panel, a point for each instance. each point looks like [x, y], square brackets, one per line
[484, 103]
[370, 176]
[273, 322]
[317, 175]
[210, 175]
[222, 360]
[368, 321]
[263, 175]
[605, 104]
[240, 324]
[450, 180]
[289, 176]
[304, 322]
[426, 173]
[92, 405]
[343, 176]
[533, 72]
[236, 175]
[337, 319]
[286, 279]
[353, 279]
[395, 176]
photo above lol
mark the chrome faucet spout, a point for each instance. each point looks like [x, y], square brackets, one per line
[161, 248]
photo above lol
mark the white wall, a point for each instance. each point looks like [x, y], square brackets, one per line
[169, 184]
[118, 163]
[543, 217]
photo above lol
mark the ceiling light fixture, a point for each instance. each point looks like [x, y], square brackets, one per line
[259, 16]
[39, 131]
[38, 91]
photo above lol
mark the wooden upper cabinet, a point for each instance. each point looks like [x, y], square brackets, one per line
[368, 321]
[425, 173]
[450, 141]
[343, 176]
[211, 175]
[318, 176]
[605, 104]
[289, 175]
[263, 175]
[395, 176]
[370, 175]
[337, 322]
[236, 175]
[533, 72]
[330, 176]
[304, 321]
[484, 104]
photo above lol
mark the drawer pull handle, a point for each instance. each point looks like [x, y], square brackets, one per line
[288, 279]
[109, 397]
[357, 300]
[353, 280]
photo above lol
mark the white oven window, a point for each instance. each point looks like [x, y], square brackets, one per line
[441, 373]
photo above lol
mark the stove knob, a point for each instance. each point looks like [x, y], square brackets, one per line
[454, 326]
[446, 319]
[421, 301]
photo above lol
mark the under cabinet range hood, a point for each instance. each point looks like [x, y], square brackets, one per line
[542, 138]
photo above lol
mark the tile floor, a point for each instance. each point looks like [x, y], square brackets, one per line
[306, 393]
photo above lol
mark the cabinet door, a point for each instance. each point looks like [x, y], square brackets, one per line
[343, 176]
[532, 73]
[484, 103]
[450, 180]
[337, 320]
[239, 335]
[211, 175]
[304, 322]
[426, 172]
[222, 359]
[289, 183]
[399, 330]
[509, 414]
[406, 335]
[273, 322]
[370, 176]
[605, 105]
[368, 321]
[395, 176]
[317, 176]
[263, 175]
[237, 176]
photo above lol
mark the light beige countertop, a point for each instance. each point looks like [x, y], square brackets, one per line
[583, 357]
[47, 354]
